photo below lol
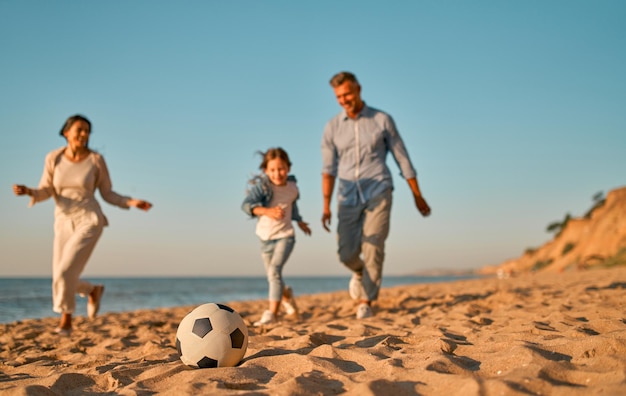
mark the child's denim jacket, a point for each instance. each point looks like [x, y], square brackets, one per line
[260, 194]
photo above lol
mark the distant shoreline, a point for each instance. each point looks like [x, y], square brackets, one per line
[24, 298]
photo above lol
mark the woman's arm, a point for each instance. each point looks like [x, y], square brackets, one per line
[46, 187]
[106, 189]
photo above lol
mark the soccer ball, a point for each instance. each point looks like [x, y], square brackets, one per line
[212, 335]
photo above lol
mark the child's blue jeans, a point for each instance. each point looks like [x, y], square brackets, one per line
[275, 253]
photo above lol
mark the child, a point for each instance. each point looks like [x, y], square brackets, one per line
[272, 199]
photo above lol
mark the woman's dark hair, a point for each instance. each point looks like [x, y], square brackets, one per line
[71, 120]
[273, 153]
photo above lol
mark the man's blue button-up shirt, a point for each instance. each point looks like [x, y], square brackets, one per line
[355, 152]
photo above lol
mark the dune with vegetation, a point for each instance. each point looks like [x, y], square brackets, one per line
[597, 239]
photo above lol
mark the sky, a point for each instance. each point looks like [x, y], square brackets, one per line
[513, 113]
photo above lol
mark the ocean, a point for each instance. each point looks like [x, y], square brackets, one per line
[28, 298]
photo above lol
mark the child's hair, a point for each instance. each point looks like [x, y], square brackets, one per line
[270, 154]
[273, 153]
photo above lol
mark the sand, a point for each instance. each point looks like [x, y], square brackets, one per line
[541, 334]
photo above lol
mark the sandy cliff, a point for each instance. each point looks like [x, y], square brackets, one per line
[598, 239]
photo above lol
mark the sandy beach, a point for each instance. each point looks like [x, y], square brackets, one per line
[537, 334]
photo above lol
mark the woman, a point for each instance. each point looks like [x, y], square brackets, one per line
[71, 176]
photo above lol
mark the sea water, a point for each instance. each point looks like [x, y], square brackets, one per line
[26, 298]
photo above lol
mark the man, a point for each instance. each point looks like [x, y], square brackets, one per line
[354, 150]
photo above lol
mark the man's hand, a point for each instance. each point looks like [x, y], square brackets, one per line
[420, 202]
[328, 185]
[422, 206]
[326, 220]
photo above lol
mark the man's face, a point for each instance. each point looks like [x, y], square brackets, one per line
[349, 97]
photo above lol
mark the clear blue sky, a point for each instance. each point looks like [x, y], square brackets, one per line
[514, 113]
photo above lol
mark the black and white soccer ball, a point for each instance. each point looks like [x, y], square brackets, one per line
[212, 335]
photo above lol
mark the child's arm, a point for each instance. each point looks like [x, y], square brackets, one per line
[276, 213]
[255, 198]
[304, 227]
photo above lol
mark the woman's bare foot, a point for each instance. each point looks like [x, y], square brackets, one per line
[65, 326]
[93, 304]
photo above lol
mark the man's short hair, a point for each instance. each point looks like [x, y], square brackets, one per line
[341, 78]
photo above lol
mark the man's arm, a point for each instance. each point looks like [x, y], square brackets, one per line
[328, 185]
[420, 202]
